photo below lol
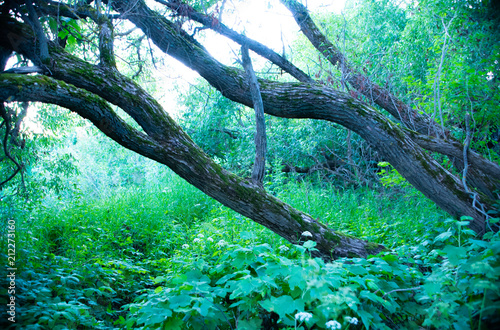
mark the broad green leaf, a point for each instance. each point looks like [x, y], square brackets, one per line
[431, 288]
[443, 236]
[173, 324]
[251, 324]
[357, 270]
[455, 254]
[309, 244]
[283, 305]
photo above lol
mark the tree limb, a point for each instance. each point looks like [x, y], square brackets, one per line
[299, 100]
[379, 95]
[178, 152]
[6, 118]
[259, 165]
[384, 98]
[37, 27]
[208, 22]
[106, 38]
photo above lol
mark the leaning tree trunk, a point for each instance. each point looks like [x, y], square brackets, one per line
[302, 100]
[163, 140]
[483, 174]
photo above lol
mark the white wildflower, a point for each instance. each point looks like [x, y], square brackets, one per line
[210, 239]
[307, 234]
[303, 316]
[283, 248]
[185, 246]
[221, 243]
[200, 236]
[333, 325]
[196, 240]
[351, 320]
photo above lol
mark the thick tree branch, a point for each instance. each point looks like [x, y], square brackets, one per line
[184, 9]
[386, 100]
[178, 152]
[379, 95]
[454, 150]
[37, 27]
[87, 105]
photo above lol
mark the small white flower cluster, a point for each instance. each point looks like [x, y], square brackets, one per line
[200, 236]
[283, 248]
[307, 234]
[333, 325]
[210, 239]
[303, 316]
[185, 246]
[221, 243]
[351, 320]
[196, 240]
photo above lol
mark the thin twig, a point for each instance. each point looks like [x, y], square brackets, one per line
[466, 149]
[437, 82]
[401, 290]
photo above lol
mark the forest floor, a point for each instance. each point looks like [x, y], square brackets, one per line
[168, 257]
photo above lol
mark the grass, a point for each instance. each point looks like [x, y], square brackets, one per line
[385, 217]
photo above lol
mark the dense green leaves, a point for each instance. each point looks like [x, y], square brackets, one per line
[125, 262]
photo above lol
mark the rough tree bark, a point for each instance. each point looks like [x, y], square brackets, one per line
[85, 88]
[480, 175]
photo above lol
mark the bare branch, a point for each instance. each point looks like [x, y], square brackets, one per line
[437, 79]
[37, 27]
[106, 52]
[259, 165]
[6, 150]
[208, 22]
[17, 126]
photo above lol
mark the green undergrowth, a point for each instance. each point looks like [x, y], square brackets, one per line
[390, 217]
[167, 257]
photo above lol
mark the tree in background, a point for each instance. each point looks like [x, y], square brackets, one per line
[85, 77]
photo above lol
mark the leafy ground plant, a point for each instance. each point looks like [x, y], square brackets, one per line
[437, 284]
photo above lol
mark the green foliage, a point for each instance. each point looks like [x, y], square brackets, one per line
[364, 213]
[436, 283]
[391, 177]
[402, 48]
[48, 167]
[225, 131]
[126, 261]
